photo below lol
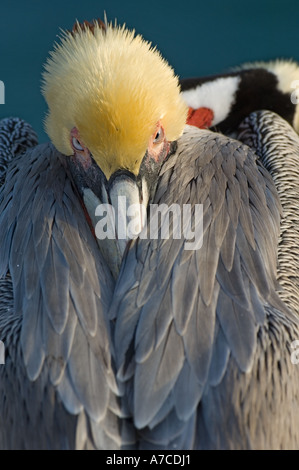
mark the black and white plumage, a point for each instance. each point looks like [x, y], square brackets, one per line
[231, 97]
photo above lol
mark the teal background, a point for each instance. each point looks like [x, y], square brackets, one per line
[197, 37]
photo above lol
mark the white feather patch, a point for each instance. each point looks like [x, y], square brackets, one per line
[218, 95]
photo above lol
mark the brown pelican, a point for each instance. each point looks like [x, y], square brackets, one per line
[140, 342]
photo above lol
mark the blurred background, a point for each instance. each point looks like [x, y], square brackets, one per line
[197, 38]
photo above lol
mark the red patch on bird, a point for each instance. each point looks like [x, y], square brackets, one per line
[200, 117]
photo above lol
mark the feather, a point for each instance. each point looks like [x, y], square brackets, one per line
[187, 393]
[55, 293]
[68, 396]
[219, 358]
[31, 336]
[154, 382]
[239, 327]
[88, 377]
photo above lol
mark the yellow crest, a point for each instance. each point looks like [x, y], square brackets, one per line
[114, 87]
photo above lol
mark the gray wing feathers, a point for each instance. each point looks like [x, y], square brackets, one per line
[62, 287]
[188, 324]
[209, 303]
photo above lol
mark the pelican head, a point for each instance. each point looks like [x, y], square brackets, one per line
[110, 92]
[114, 108]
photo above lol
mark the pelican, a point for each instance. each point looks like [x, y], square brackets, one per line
[137, 341]
[221, 102]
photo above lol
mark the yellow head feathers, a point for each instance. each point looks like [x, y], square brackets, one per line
[114, 87]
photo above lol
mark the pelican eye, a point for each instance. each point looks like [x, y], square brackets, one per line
[76, 144]
[159, 137]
